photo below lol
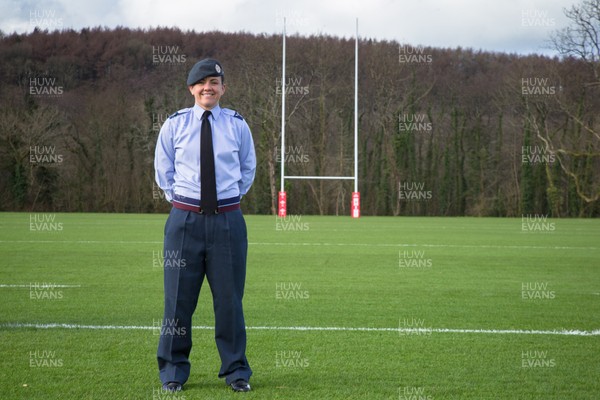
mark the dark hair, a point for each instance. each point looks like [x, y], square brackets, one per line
[211, 76]
[222, 77]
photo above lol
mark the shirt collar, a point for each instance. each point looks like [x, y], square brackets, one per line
[199, 111]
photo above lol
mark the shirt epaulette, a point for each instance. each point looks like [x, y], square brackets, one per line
[180, 112]
[233, 113]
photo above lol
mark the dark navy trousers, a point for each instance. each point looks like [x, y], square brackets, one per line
[196, 246]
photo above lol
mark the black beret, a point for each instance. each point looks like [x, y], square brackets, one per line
[204, 68]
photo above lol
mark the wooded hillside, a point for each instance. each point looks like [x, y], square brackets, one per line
[442, 131]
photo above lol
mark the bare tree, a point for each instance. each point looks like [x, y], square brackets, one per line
[580, 39]
[579, 158]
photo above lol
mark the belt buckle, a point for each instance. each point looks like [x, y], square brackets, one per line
[202, 212]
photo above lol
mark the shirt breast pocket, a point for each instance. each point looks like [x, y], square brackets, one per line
[226, 149]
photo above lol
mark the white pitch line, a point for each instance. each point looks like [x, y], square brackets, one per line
[563, 332]
[466, 246]
[84, 241]
[39, 286]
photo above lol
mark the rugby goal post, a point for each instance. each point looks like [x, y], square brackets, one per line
[282, 198]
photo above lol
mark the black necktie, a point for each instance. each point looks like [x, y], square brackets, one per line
[208, 182]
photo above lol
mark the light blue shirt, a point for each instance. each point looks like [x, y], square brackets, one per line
[177, 156]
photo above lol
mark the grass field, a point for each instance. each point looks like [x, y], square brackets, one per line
[449, 304]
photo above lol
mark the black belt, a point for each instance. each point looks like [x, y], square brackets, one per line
[220, 209]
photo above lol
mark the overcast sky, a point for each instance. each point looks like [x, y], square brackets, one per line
[514, 26]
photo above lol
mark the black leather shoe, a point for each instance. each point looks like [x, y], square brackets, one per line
[240, 386]
[171, 386]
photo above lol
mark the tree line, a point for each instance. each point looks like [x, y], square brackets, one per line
[441, 131]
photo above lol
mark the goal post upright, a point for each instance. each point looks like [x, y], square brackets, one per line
[355, 205]
[282, 199]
